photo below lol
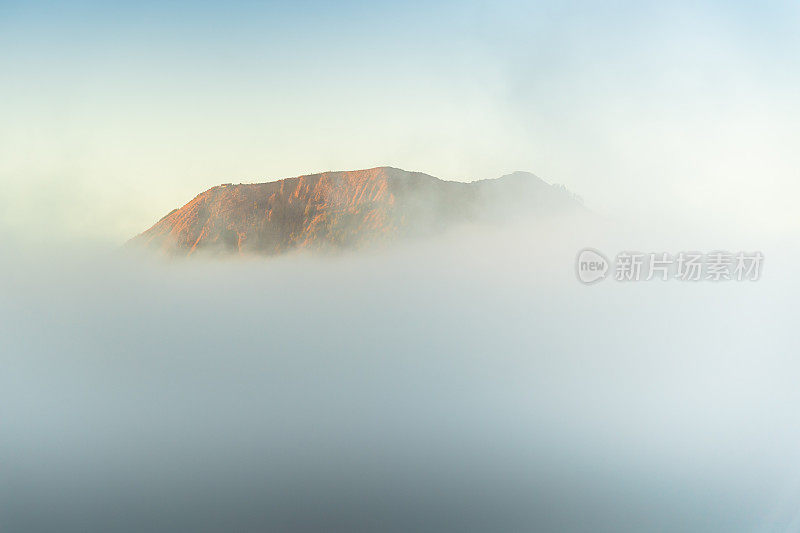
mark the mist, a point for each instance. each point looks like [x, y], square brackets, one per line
[464, 383]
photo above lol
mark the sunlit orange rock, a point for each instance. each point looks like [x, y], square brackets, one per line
[340, 210]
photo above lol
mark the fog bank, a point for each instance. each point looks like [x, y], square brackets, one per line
[465, 384]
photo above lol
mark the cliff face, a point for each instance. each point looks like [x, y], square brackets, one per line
[338, 210]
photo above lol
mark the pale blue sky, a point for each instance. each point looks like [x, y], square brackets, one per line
[114, 114]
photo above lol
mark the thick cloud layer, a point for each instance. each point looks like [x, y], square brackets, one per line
[464, 384]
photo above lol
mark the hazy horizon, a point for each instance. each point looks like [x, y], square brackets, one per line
[115, 114]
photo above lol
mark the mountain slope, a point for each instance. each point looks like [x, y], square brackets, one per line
[342, 210]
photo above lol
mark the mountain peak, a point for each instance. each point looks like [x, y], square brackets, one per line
[522, 174]
[339, 209]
